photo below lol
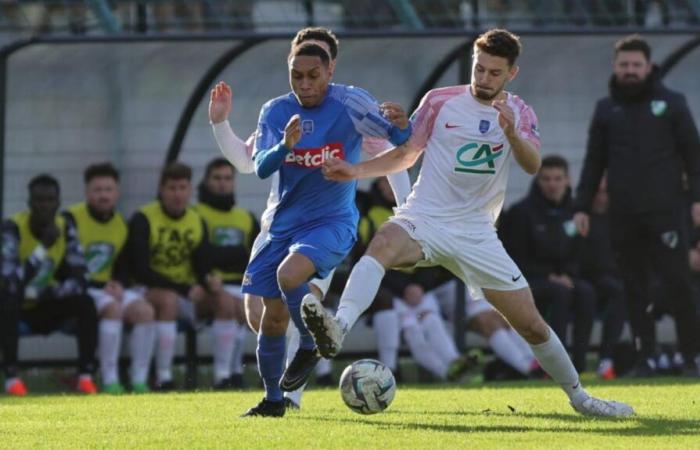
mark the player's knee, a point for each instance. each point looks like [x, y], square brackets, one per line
[140, 312]
[288, 277]
[381, 248]
[111, 311]
[253, 312]
[535, 332]
[274, 325]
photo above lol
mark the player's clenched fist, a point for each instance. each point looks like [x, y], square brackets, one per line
[506, 117]
[220, 102]
[336, 169]
[292, 132]
[395, 113]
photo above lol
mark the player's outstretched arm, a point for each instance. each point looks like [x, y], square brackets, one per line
[394, 160]
[232, 147]
[268, 161]
[525, 151]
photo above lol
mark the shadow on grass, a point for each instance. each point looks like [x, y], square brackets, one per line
[636, 426]
[656, 381]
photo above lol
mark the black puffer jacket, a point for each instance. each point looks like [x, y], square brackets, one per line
[540, 236]
[645, 140]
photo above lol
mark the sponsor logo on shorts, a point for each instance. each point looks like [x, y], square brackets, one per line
[247, 279]
[313, 158]
[514, 278]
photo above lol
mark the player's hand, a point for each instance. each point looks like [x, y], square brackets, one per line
[292, 132]
[214, 283]
[506, 117]
[220, 102]
[563, 280]
[115, 289]
[336, 169]
[413, 294]
[695, 213]
[196, 293]
[582, 222]
[395, 114]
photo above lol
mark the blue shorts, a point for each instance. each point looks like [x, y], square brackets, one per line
[325, 245]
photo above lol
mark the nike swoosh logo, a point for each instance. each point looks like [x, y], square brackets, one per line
[516, 278]
[448, 125]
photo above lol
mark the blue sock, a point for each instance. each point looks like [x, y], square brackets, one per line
[270, 353]
[292, 297]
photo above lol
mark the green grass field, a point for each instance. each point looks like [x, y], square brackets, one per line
[515, 415]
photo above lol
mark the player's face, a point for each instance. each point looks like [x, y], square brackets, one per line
[553, 182]
[43, 204]
[324, 45]
[631, 67]
[175, 195]
[102, 194]
[220, 181]
[490, 74]
[309, 79]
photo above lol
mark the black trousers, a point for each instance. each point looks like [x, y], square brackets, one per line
[45, 317]
[559, 303]
[612, 305]
[656, 241]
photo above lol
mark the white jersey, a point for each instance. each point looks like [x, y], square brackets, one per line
[465, 168]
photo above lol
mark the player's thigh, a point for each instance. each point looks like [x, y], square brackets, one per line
[392, 246]
[295, 270]
[518, 308]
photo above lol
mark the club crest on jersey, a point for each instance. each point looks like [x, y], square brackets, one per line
[658, 107]
[478, 158]
[307, 126]
[313, 158]
[484, 126]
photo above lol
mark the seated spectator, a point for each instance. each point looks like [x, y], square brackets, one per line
[539, 234]
[170, 255]
[102, 232]
[43, 283]
[598, 266]
[231, 233]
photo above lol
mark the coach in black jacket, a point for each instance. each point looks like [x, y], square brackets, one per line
[643, 134]
[540, 235]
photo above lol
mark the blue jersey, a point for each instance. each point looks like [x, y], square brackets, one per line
[301, 198]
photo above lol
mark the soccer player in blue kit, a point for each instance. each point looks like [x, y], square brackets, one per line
[314, 223]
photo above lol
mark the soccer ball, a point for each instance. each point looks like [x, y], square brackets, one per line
[367, 386]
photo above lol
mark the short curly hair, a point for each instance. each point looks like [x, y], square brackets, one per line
[499, 42]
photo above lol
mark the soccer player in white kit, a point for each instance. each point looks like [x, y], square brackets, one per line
[468, 134]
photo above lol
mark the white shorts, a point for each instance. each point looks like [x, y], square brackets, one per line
[323, 284]
[102, 299]
[446, 295]
[476, 257]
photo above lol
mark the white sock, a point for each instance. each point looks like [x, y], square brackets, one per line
[10, 381]
[224, 332]
[438, 339]
[504, 347]
[323, 367]
[555, 361]
[386, 327]
[141, 345]
[292, 347]
[523, 346]
[167, 332]
[360, 290]
[423, 353]
[295, 396]
[110, 337]
[238, 349]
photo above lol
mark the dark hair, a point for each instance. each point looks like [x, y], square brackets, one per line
[175, 171]
[317, 34]
[499, 42]
[43, 179]
[633, 43]
[555, 161]
[217, 163]
[105, 169]
[310, 49]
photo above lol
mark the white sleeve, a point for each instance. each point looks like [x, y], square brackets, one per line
[400, 182]
[233, 148]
